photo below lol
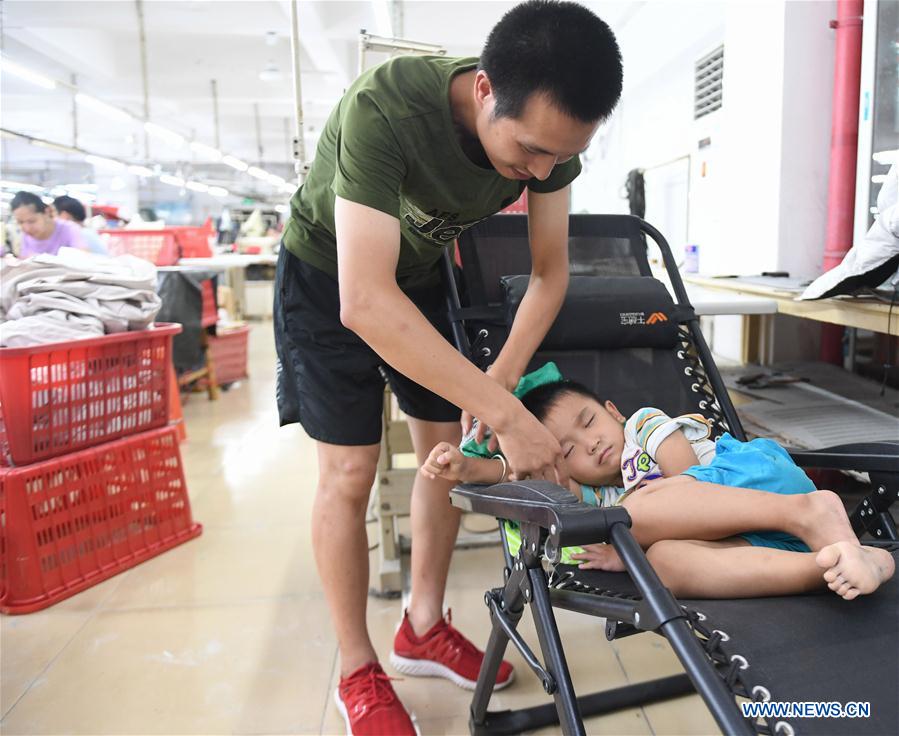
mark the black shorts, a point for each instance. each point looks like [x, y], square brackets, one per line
[329, 380]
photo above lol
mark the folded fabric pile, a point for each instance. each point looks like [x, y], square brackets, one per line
[73, 295]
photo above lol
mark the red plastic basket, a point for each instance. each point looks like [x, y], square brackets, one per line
[69, 523]
[64, 396]
[229, 354]
[158, 246]
[193, 242]
[209, 311]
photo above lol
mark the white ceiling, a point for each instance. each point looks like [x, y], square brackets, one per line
[191, 42]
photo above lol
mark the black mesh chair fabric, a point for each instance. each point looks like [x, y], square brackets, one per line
[800, 649]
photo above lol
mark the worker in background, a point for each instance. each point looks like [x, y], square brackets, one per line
[71, 210]
[42, 233]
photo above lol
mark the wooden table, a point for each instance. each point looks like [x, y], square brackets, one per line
[859, 312]
[853, 312]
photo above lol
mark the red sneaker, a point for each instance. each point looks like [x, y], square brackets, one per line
[442, 652]
[369, 706]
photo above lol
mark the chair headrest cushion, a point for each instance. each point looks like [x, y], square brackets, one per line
[601, 312]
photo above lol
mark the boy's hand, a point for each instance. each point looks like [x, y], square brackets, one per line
[445, 461]
[599, 557]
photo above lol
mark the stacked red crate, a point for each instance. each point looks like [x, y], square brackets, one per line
[92, 481]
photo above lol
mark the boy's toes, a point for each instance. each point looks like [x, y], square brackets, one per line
[831, 575]
[828, 556]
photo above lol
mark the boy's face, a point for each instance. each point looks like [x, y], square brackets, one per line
[530, 146]
[591, 436]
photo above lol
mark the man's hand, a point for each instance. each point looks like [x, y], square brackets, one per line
[508, 381]
[445, 461]
[532, 451]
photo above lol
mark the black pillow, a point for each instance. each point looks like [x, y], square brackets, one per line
[601, 312]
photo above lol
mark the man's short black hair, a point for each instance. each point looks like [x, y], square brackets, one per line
[72, 206]
[540, 400]
[23, 199]
[557, 48]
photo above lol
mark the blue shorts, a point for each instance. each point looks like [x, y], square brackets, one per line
[763, 465]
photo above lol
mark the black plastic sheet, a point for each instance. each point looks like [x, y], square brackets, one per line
[179, 287]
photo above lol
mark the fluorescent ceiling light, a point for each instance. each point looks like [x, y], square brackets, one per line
[29, 76]
[169, 136]
[102, 162]
[54, 146]
[271, 73]
[140, 170]
[218, 191]
[196, 186]
[21, 186]
[288, 188]
[257, 172]
[96, 105]
[235, 163]
[209, 151]
[276, 180]
[175, 181]
[282, 208]
[886, 157]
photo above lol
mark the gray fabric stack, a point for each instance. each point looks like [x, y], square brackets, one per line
[74, 295]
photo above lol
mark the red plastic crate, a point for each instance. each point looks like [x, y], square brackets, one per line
[158, 246]
[228, 349]
[64, 396]
[209, 311]
[69, 523]
[193, 242]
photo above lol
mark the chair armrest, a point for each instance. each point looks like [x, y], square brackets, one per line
[877, 457]
[549, 506]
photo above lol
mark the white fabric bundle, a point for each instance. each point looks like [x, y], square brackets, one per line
[880, 246]
[74, 294]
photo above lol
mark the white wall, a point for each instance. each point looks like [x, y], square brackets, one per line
[757, 191]
[805, 159]
[761, 203]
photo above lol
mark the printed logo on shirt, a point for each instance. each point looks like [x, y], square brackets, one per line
[436, 225]
[656, 317]
[640, 462]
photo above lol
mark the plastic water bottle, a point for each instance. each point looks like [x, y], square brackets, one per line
[691, 259]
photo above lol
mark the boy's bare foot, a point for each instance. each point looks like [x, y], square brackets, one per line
[823, 520]
[853, 570]
[599, 557]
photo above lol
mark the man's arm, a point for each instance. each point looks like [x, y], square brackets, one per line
[548, 234]
[374, 307]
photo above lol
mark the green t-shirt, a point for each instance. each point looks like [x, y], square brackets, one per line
[390, 144]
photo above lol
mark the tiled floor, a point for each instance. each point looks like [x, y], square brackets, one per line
[229, 633]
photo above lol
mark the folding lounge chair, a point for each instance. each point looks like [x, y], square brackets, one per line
[620, 332]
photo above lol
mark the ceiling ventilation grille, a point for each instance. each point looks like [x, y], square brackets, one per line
[707, 87]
